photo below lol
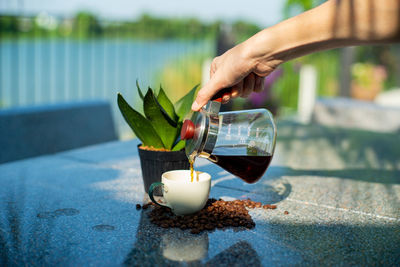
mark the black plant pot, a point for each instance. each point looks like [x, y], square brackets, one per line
[155, 163]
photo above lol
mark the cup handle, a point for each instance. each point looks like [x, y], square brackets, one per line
[153, 186]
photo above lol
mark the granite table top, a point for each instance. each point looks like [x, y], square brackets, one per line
[77, 208]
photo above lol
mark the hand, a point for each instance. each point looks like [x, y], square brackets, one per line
[236, 69]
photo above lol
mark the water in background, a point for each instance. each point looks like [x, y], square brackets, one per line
[45, 71]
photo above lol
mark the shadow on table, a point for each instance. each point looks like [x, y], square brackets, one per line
[276, 186]
[267, 190]
[156, 246]
[340, 244]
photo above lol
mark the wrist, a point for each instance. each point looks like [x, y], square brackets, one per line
[293, 37]
[262, 51]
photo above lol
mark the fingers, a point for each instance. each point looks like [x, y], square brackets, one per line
[235, 92]
[251, 83]
[204, 95]
[248, 85]
[207, 92]
[259, 84]
[237, 89]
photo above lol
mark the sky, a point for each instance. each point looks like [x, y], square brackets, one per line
[262, 12]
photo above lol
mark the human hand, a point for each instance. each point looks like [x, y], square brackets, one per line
[237, 69]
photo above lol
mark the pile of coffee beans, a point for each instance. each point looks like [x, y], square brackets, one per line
[219, 214]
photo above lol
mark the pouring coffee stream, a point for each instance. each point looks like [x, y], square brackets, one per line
[241, 142]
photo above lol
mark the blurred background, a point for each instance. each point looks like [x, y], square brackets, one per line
[62, 51]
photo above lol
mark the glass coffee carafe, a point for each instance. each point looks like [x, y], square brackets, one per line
[241, 142]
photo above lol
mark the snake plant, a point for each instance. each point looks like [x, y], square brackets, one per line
[160, 125]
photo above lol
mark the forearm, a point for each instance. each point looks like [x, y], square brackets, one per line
[336, 23]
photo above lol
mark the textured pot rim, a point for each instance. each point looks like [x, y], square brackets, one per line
[162, 155]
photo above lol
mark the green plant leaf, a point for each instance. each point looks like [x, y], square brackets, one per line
[168, 112]
[180, 145]
[166, 116]
[139, 124]
[184, 105]
[164, 129]
[167, 105]
[139, 90]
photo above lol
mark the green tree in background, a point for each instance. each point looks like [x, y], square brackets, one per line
[299, 6]
[243, 30]
[8, 25]
[86, 25]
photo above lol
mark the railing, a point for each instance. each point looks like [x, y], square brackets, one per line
[39, 70]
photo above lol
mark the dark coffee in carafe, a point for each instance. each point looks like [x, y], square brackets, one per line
[248, 168]
[241, 142]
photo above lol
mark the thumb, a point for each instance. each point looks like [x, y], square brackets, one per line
[204, 95]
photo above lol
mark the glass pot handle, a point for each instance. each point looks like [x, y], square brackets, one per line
[213, 106]
[218, 96]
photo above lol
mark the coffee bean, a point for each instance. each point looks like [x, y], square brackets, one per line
[286, 212]
[195, 231]
[216, 214]
[138, 206]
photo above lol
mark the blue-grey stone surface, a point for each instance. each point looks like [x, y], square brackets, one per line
[340, 187]
[32, 131]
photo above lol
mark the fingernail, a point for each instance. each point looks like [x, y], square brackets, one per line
[195, 106]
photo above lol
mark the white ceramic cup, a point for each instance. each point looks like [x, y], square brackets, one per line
[180, 194]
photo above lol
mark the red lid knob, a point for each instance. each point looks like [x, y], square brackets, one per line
[187, 130]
